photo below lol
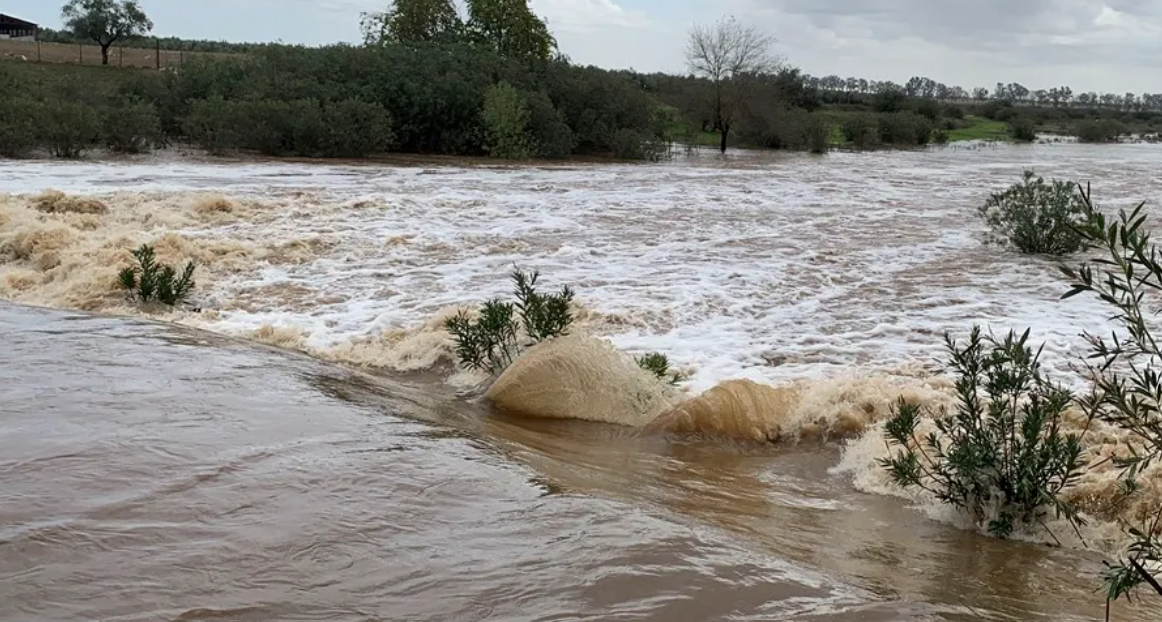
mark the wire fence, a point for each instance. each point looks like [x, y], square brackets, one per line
[74, 54]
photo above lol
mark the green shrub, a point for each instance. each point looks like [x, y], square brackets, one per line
[1022, 129]
[658, 364]
[131, 126]
[1099, 131]
[217, 125]
[550, 135]
[67, 128]
[150, 281]
[817, 133]
[890, 100]
[952, 111]
[634, 145]
[1129, 281]
[19, 126]
[928, 108]
[1001, 457]
[355, 128]
[1036, 216]
[506, 119]
[992, 110]
[862, 130]
[904, 128]
[940, 136]
[493, 340]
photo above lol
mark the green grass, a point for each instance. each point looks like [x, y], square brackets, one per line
[980, 128]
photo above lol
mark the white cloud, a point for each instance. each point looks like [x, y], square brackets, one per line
[587, 15]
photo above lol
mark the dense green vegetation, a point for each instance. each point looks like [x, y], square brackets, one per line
[1036, 216]
[1005, 454]
[427, 80]
[334, 101]
[1001, 455]
[150, 281]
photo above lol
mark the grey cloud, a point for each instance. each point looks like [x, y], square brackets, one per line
[1022, 36]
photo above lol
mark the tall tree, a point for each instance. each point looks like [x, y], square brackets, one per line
[413, 21]
[732, 57]
[105, 21]
[511, 28]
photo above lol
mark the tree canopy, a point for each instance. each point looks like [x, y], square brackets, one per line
[508, 27]
[105, 21]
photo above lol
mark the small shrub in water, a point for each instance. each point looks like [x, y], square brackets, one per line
[491, 341]
[150, 281]
[1022, 130]
[1037, 216]
[1001, 457]
[543, 315]
[659, 365]
[488, 343]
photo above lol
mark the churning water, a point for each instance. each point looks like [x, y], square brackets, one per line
[153, 472]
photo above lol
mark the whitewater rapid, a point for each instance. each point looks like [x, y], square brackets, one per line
[757, 267]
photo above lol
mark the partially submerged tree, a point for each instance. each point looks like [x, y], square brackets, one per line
[105, 21]
[732, 57]
[413, 21]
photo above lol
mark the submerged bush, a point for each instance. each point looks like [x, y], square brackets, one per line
[1037, 216]
[493, 340]
[1022, 129]
[658, 364]
[1001, 457]
[1099, 131]
[149, 280]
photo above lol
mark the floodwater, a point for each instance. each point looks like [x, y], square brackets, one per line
[156, 473]
[152, 471]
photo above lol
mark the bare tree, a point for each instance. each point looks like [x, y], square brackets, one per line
[732, 56]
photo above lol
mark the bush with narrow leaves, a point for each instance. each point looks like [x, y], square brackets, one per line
[1037, 216]
[492, 340]
[1126, 370]
[658, 364]
[1001, 457]
[150, 281]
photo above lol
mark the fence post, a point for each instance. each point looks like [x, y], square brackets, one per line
[121, 56]
[81, 53]
[38, 50]
[157, 53]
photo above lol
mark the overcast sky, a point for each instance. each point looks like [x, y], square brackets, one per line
[1110, 45]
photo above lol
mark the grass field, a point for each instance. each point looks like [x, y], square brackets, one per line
[980, 129]
[33, 51]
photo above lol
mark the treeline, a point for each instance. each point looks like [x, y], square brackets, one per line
[1012, 93]
[339, 101]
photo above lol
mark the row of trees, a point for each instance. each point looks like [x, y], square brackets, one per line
[1013, 93]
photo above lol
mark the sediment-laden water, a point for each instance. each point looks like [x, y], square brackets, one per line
[155, 473]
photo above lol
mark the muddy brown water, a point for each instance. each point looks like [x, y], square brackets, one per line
[150, 472]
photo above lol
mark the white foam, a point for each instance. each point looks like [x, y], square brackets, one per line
[766, 268]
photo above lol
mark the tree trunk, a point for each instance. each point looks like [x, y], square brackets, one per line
[105, 54]
[725, 133]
